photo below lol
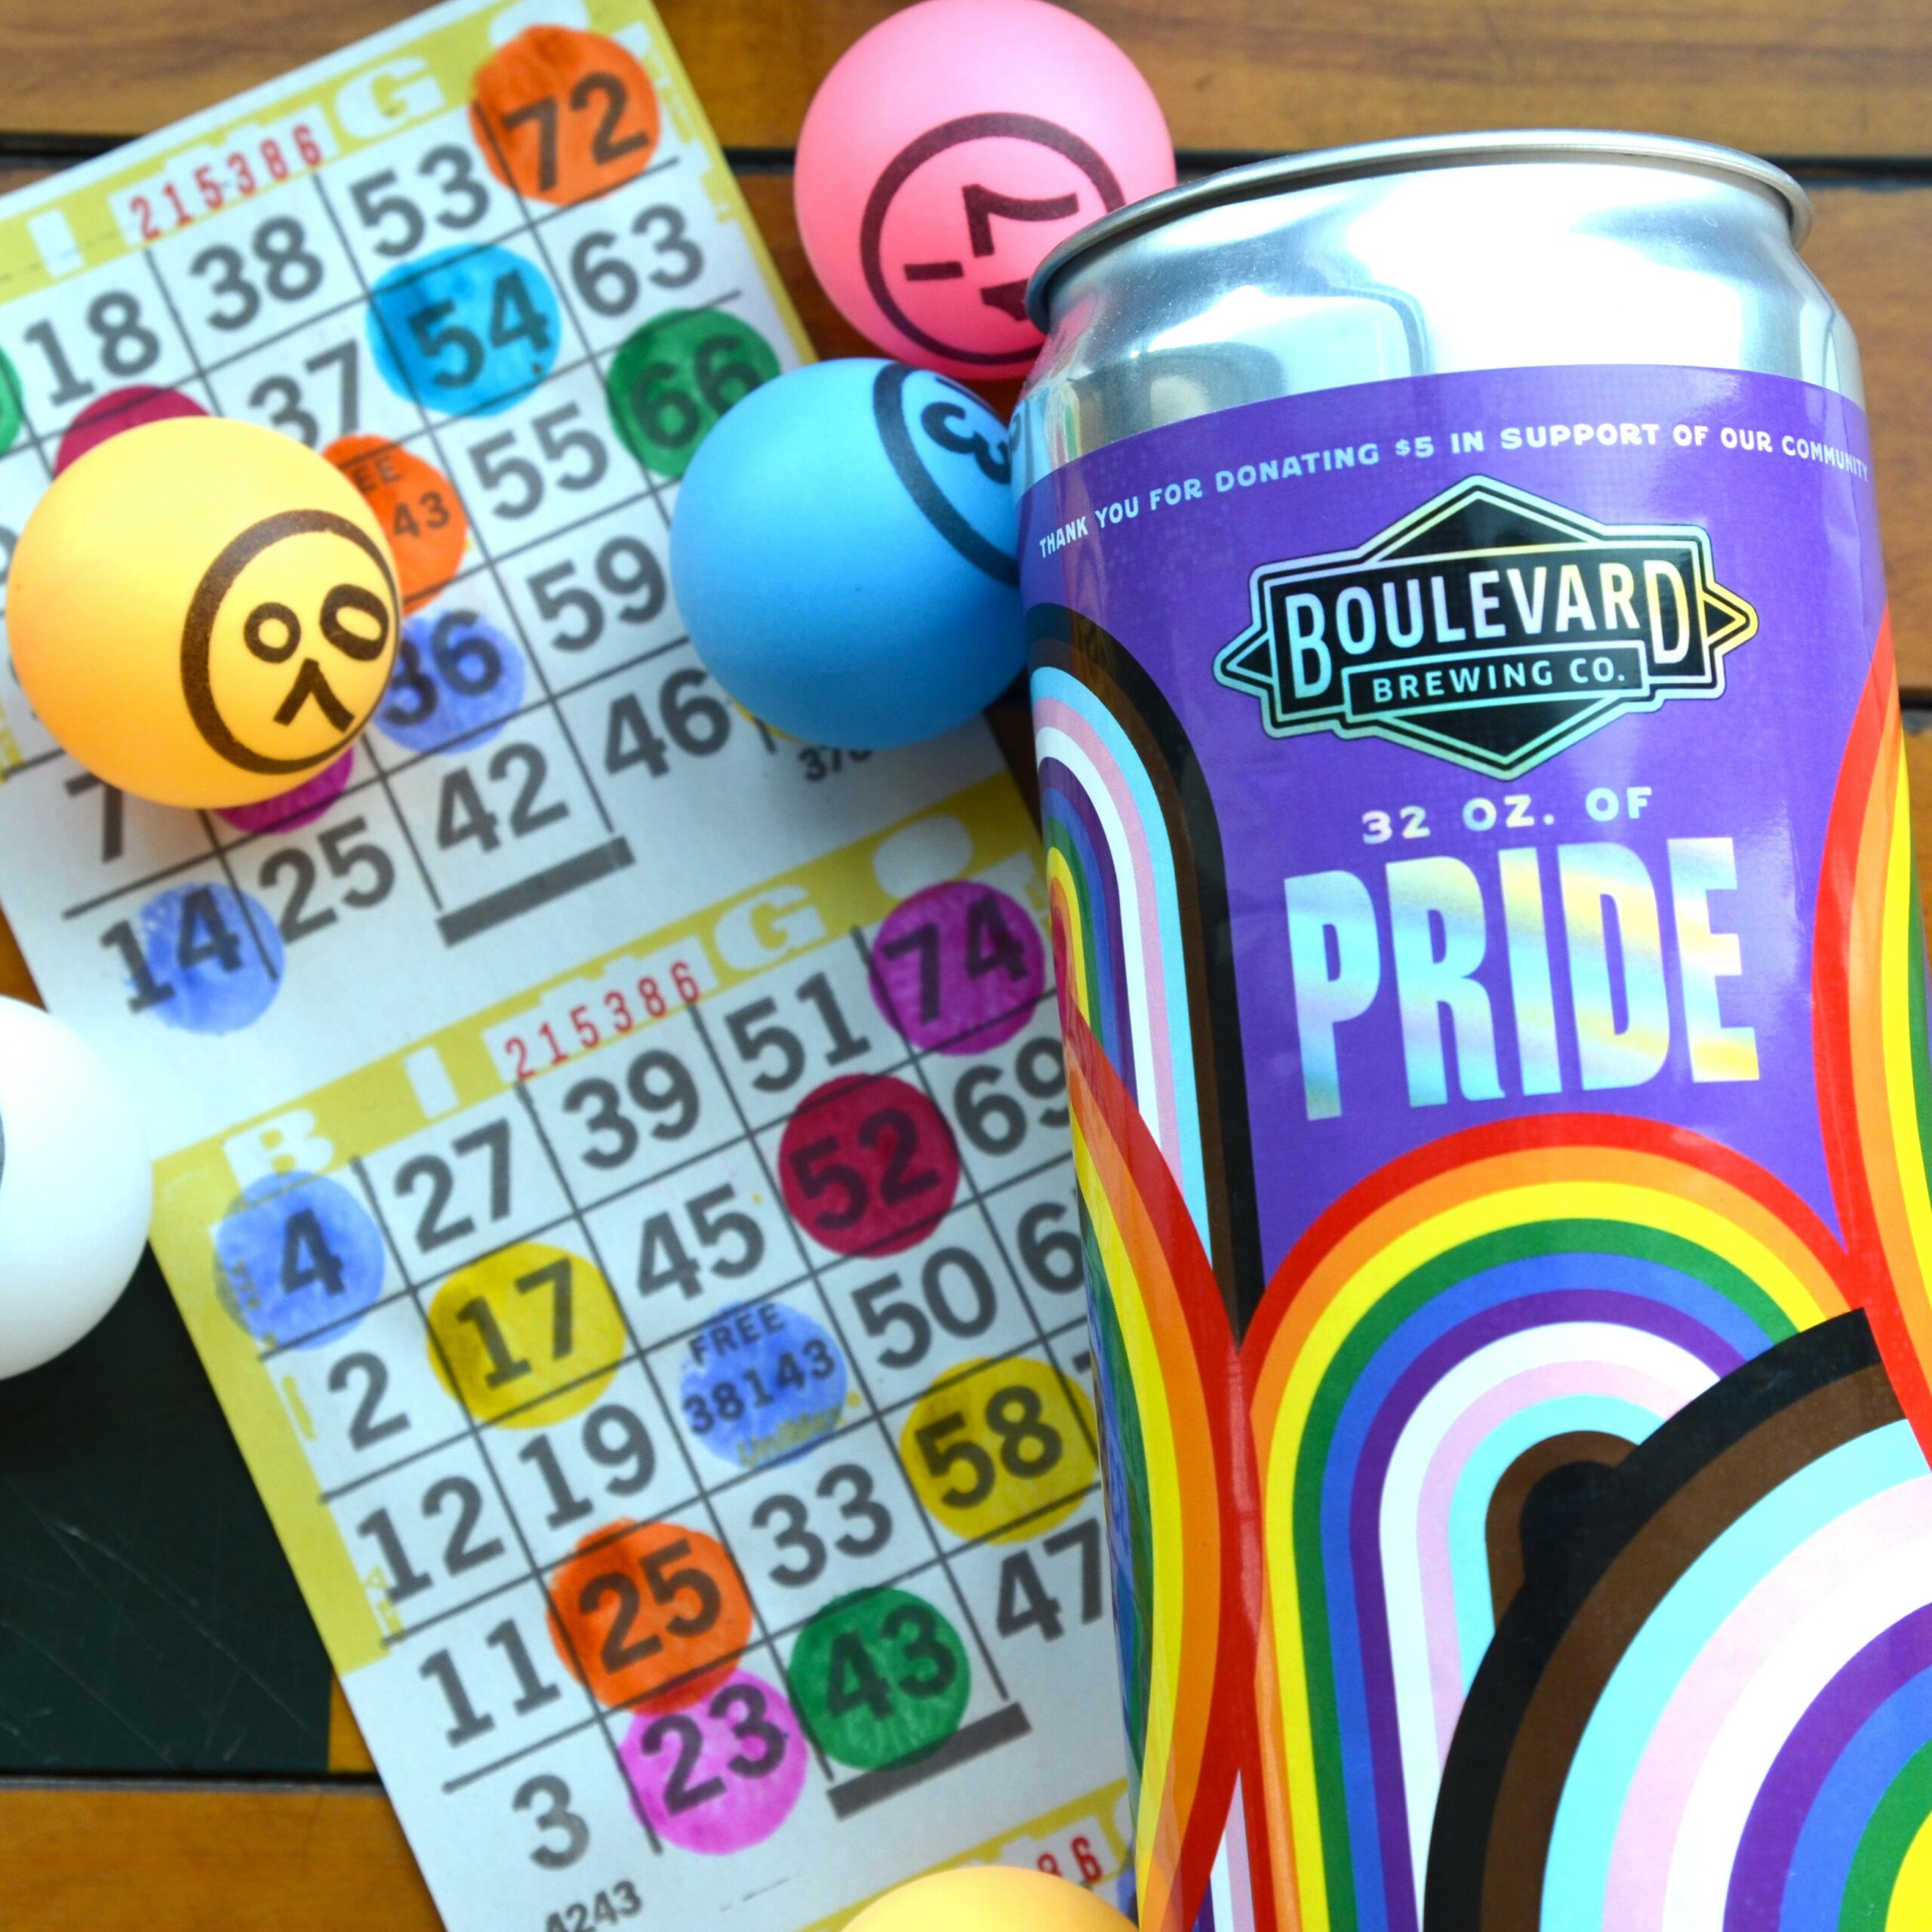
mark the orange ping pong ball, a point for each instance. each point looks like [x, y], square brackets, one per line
[203, 613]
[948, 151]
[990, 1898]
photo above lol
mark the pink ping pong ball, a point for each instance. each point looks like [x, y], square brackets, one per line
[948, 151]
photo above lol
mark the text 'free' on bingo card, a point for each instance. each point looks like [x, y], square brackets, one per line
[615, 1161]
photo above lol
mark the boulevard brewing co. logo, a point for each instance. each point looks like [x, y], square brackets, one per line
[1490, 627]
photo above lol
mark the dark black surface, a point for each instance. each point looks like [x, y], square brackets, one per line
[148, 1622]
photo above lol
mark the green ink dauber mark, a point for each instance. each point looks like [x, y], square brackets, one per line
[879, 1677]
[11, 415]
[676, 376]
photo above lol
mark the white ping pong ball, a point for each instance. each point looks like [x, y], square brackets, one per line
[76, 1188]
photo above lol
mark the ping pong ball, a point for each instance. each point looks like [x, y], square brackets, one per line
[990, 1898]
[76, 1191]
[948, 151]
[843, 554]
[203, 613]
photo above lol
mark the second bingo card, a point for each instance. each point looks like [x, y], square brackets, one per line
[613, 1159]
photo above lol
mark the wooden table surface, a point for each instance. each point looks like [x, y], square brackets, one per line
[1839, 90]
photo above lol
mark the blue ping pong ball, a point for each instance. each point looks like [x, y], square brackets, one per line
[843, 553]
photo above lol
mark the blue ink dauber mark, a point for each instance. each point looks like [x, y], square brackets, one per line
[297, 1257]
[761, 1384]
[457, 681]
[214, 957]
[467, 332]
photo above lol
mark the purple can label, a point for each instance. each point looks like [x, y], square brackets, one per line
[1494, 992]
[1615, 622]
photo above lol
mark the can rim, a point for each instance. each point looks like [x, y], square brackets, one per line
[1285, 173]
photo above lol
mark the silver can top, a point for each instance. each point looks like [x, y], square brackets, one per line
[1286, 173]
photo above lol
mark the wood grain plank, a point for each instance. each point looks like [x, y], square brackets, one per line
[87, 1858]
[16, 982]
[1872, 248]
[768, 196]
[1779, 76]
[1918, 773]
[1783, 76]
[349, 1753]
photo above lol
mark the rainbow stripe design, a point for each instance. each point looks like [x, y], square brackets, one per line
[1180, 1489]
[1875, 1080]
[1111, 862]
[1133, 872]
[1495, 1291]
[1841, 1830]
[1717, 1716]
[1325, 1484]
[1171, 1387]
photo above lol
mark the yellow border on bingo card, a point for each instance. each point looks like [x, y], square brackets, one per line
[377, 1104]
[364, 94]
[680, 99]
[193, 1190]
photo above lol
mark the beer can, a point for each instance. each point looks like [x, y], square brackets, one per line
[1491, 973]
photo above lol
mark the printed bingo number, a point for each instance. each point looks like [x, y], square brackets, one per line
[403, 313]
[958, 969]
[885, 1665]
[1088, 1852]
[654, 1620]
[562, 116]
[695, 1387]
[746, 1447]
[868, 1164]
[883, 1676]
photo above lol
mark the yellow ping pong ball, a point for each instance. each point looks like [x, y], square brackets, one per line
[203, 613]
[990, 1898]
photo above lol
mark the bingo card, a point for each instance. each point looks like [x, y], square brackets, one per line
[612, 1159]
